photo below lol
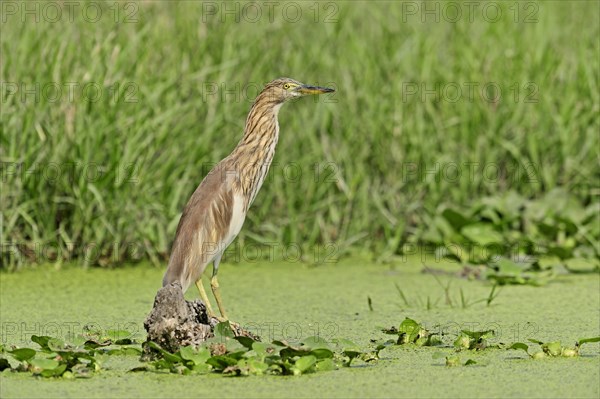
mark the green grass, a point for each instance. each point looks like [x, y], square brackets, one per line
[129, 161]
[329, 301]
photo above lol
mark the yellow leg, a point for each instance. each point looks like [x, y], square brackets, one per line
[214, 284]
[204, 298]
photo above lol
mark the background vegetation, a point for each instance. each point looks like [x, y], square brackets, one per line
[416, 146]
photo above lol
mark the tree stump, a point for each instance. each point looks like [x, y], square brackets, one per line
[175, 322]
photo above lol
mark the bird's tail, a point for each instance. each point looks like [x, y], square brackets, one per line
[177, 271]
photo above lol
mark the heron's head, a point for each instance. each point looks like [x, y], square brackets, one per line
[284, 89]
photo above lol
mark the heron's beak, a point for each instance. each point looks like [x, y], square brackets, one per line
[306, 90]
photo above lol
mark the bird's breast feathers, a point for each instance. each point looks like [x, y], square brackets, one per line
[224, 222]
[238, 215]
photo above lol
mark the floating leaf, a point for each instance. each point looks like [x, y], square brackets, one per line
[22, 354]
[44, 363]
[552, 348]
[462, 342]
[233, 345]
[256, 367]
[587, 340]
[245, 341]
[479, 334]
[521, 346]
[263, 349]
[197, 357]
[325, 365]
[351, 354]
[473, 339]
[409, 326]
[55, 372]
[42, 341]
[409, 330]
[201, 368]
[315, 342]
[57, 345]
[223, 330]
[82, 370]
[304, 364]
[222, 362]
[169, 357]
[293, 351]
[321, 353]
[346, 344]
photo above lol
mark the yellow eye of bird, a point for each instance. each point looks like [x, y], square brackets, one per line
[286, 86]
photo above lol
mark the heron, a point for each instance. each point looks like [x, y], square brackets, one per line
[215, 213]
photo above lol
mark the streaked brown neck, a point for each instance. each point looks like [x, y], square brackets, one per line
[256, 149]
[261, 123]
